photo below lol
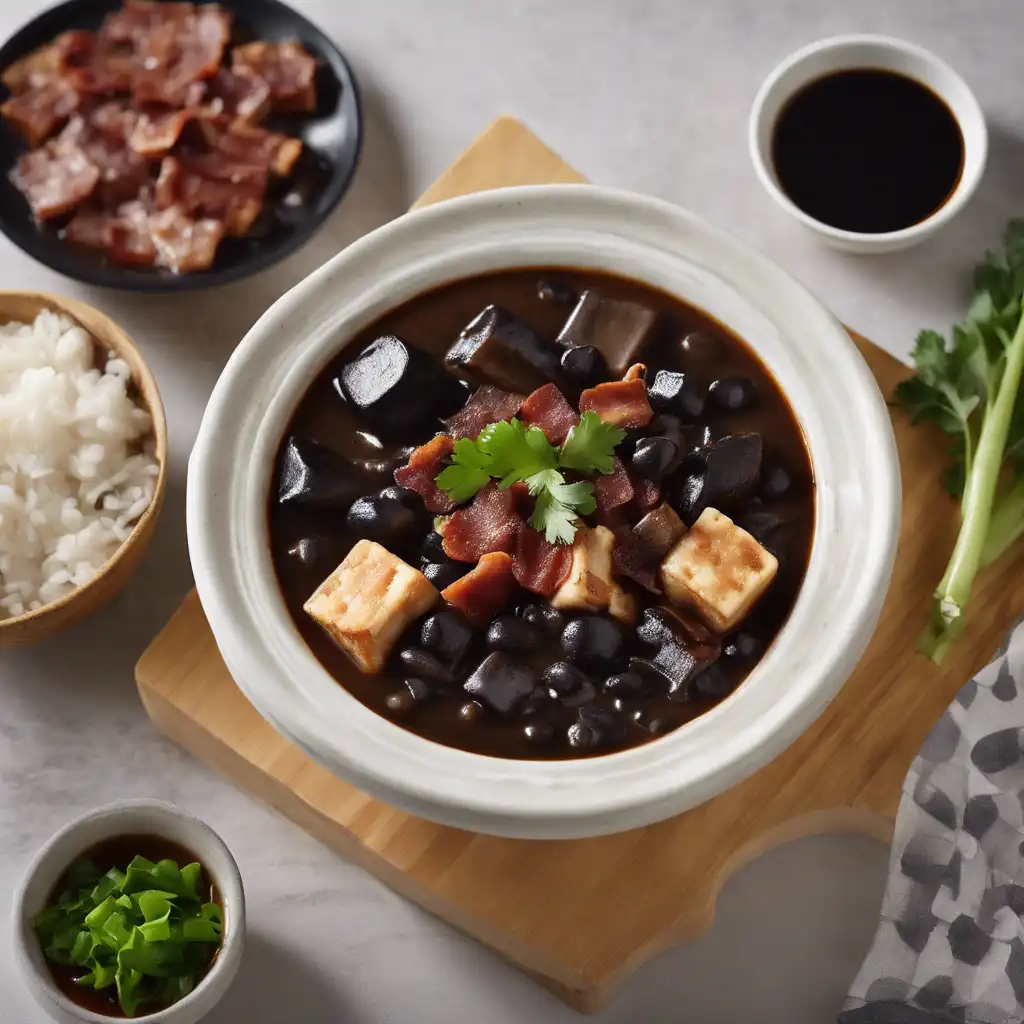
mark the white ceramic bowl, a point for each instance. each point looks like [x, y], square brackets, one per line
[831, 390]
[127, 817]
[849, 52]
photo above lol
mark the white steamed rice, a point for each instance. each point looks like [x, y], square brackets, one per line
[73, 479]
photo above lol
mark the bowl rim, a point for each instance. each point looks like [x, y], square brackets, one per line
[530, 799]
[148, 395]
[834, 46]
[102, 275]
[229, 886]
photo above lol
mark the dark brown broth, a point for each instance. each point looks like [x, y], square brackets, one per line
[118, 852]
[432, 322]
[867, 151]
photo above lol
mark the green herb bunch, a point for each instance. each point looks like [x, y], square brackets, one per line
[970, 387]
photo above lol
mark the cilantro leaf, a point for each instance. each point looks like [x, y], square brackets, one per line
[555, 520]
[579, 496]
[590, 446]
[516, 451]
[467, 474]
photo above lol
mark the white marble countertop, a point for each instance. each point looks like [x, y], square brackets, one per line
[650, 95]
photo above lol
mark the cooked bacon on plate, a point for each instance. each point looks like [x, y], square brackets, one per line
[55, 179]
[48, 63]
[248, 144]
[485, 590]
[288, 68]
[486, 405]
[90, 228]
[156, 132]
[550, 410]
[183, 243]
[613, 490]
[138, 18]
[40, 111]
[490, 523]
[131, 236]
[115, 118]
[240, 93]
[423, 466]
[621, 402]
[539, 566]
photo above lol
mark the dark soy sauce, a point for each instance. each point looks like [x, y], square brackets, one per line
[867, 151]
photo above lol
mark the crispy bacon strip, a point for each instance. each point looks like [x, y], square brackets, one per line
[490, 523]
[486, 405]
[539, 566]
[423, 466]
[620, 402]
[485, 590]
[550, 410]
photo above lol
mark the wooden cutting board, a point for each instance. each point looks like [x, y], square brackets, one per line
[577, 915]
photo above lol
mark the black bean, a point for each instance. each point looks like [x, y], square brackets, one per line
[433, 548]
[625, 684]
[741, 645]
[400, 702]
[655, 457]
[402, 495]
[380, 519]
[700, 347]
[420, 689]
[677, 394]
[714, 682]
[584, 695]
[317, 550]
[543, 615]
[733, 394]
[424, 665]
[507, 633]
[539, 732]
[562, 678]
[317, 478]
[444, 574]
[559, 292]
[593, 642]
[584, 365]
[775, 483]
[596, 727]
[538, 699]
[471, 712]
[448, 635]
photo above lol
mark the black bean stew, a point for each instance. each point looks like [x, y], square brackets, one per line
[505, 673]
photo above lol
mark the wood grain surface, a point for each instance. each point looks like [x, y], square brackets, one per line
[577, 915]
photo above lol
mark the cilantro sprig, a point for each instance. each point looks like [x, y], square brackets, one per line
[510, 452]
[145, 931]
[971, 388]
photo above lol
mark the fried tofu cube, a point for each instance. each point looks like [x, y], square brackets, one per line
[366, 603]
[622, 605]
[589, 586]
[718, 570]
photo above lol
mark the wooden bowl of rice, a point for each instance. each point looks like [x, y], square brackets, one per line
[27, 625]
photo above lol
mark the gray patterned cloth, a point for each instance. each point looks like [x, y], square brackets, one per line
[950, 945]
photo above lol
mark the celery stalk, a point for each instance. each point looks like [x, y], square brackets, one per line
[979, 495]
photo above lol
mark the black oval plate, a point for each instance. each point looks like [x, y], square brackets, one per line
[332, 139]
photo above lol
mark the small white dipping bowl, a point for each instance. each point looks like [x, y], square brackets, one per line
[828, 384]
[853, 52]
[129, 817]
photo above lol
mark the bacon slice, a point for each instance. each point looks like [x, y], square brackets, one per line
[138, 18]
[156, 132]
[486, 405]
[131, 237]
[178, 53]
[115, 118]
[613, 490]
[238, 93]
[240, 143]
[236, 203]
[55, 179]
[490, 523]
[40, 111]
[539, 566]
[182, 243]
[48, 63]
[423, 466]
[646, 494]
[485, 590]
[621, 402]
[91, 229]
[288, 68]
[550, 410]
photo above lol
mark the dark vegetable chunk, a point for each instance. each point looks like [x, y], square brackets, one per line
[594, 642]
[486, 405]
[448, 635]
[675, 393]
[680, 648]
[639, 554]
[317, 478]
[732, 466]
[498, 348]
[396, 388]
[617, 329]
[500, 683]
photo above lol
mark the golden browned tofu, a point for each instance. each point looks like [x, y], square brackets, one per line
[589, 586]
[622, 605]
[718, 570]
[366, 603]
